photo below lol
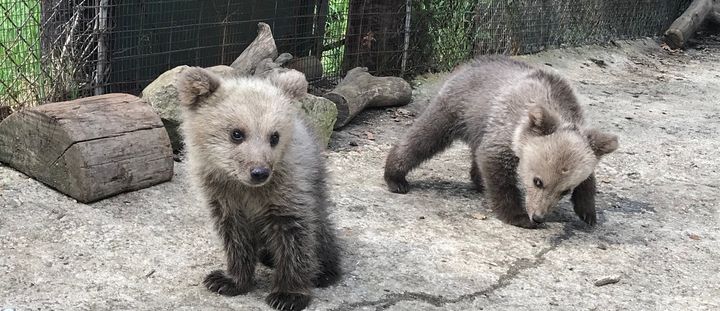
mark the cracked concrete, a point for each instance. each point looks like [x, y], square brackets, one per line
[438, 247]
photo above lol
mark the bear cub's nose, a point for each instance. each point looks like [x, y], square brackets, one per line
[260, 174]
[538, 219]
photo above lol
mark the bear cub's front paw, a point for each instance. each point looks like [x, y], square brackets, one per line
[288, 301]
[397, 184]
[588, 216]
[220, 283]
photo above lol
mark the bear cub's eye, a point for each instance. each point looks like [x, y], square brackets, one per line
[538, 183]
[237, 136]
[564, 193]
[274, 139]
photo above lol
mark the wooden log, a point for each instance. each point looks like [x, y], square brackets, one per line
[261, 48]
[89, 148]
[685, 26]
[311, 66]
[359, 90]
[265, 66]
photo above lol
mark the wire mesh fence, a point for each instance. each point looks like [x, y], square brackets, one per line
[53, 50]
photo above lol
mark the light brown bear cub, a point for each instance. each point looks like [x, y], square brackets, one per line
[259, 168]
[530, 144]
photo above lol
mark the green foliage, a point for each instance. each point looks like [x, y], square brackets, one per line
[336, 26]
[19, 51]
[445, 31]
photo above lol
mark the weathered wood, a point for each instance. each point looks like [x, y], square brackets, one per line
[308, 65]
[685, 26]
[261, 48]
[359, 90]
[89, 148]
[265, 66]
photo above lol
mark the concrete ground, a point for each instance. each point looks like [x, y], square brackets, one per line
[438, 247]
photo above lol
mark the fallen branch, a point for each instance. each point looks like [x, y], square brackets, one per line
[685, 26]
[359, 90]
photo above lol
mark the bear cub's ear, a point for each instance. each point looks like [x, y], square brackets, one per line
[542, 121]
[195, 84]
[292, 82]
[601, 143]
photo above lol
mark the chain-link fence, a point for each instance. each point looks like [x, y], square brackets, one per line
[53, 50]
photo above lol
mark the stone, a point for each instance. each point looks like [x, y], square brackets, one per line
[322, 113]
[162, 96]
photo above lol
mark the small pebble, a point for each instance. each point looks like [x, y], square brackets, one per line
[479, 216]
[607, 280]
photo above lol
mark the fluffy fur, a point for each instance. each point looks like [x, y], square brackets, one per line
[260, 170]
[530, 144]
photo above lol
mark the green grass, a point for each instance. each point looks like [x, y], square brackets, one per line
[335, 29]
[449, 31]
[19, 51]
[448, 35]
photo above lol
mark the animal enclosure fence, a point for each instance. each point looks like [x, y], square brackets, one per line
[54, 50]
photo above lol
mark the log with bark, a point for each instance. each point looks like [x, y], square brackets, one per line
[359, 90]
[90, 148]
[685, 26]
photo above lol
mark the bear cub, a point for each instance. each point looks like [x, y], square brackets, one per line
[259, 168]
[529, 141]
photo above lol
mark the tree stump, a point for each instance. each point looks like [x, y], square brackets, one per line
[90, 148]
[359, 90]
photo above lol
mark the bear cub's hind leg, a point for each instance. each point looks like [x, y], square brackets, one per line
[430, 134]
[328, 257]
[475, 174]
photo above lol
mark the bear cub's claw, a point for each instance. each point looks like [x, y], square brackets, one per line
[589, 218]
[218, 282]
[288, 301]
[397, 184]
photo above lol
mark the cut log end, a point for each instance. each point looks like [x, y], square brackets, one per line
[343, 110]
[674, 38]
[685, 26]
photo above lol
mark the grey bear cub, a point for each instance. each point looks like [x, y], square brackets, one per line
[529, 140]
[260, 170]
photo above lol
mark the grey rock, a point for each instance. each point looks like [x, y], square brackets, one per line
[322, 113]
[162, 95]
